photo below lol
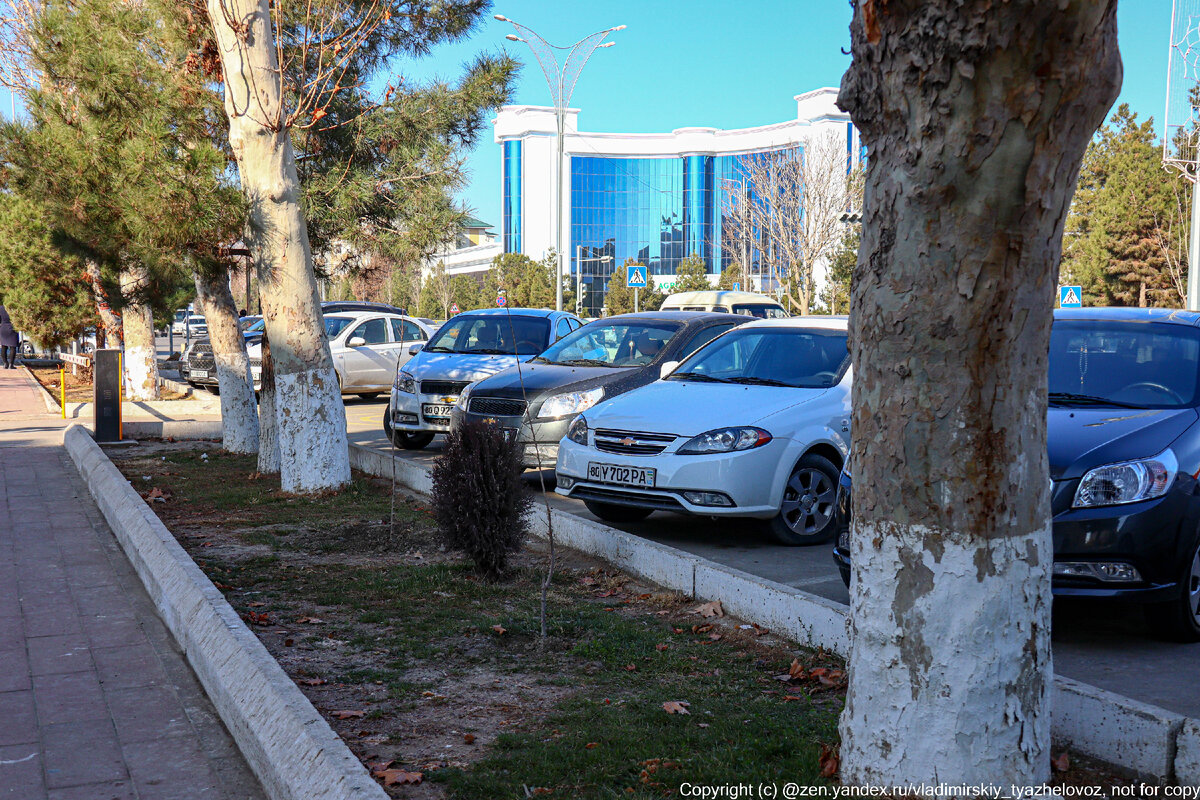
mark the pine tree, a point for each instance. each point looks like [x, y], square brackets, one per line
[692, 275]
[836, 294]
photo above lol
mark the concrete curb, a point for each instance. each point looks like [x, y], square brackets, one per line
[288, 745]
[1187, 754]
[171, 429]
[175, 386]
[52, 406]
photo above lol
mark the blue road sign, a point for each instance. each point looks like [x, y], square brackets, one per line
[637, 277]
[501, 299]
[737, 287]
[1070, 297]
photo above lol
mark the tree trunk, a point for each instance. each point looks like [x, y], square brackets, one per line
[239, 413]
[976, 115]
[140, 359]
[268, 423]
[311, 420]
[110, 323]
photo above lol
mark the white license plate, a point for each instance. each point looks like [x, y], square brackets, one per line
[199, 373]
[435, 411]
[625, 476]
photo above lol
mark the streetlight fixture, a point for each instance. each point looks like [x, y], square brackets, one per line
[561, 79]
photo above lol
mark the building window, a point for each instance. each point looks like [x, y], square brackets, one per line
[512, 179]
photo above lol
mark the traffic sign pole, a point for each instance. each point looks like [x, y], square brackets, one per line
[636, 308]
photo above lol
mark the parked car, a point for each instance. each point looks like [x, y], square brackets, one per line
[1123, 438]
[598, 361]
[195, 325]
[469, 347]
[179, 322]
[754, 424]
[748, 303]
[365, 345]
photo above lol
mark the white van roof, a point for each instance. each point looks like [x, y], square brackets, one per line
[717, 298]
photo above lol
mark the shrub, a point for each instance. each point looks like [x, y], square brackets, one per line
[479, 499]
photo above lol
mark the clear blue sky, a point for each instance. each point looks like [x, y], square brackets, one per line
[719, 64]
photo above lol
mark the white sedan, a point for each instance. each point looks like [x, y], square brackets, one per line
[754, 424]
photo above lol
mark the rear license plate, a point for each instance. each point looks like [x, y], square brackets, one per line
[625, 476]
[199, 373]
[436, 411]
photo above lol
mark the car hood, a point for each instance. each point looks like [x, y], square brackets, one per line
[536, 379]
[458, 366]
[687, 408]
[1080, 439]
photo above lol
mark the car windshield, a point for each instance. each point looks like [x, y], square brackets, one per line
[631, 344]
[760, 310]
[1124, 364]
[335, 325]
[804, 358]
[257, 325]
[493, 334]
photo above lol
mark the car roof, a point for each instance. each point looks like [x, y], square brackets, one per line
[830, 322]
[525, 312]
[1174, 316]
[362, 314]
[719, 296]
[669, 315]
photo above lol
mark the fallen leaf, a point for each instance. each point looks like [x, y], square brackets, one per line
[643, 596]
[702, 724]
[289, 642]
[712, 609]
[661, 647]
[500, 630]
[310, 621]
[676, 707]
[393, 777]
[469, 738]
[714, 636]
[256, 604]
[702, 628]
[829, 760]
[662, 613]
[348, 714]
[631, 667]
[587, 580]
[1062, 763]
[312, 681]
[677, 630]
[591, 745]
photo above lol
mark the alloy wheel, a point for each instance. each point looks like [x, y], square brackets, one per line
[808, 501]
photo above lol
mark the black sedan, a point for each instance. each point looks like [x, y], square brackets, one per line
[603, 359]
[1124, 443]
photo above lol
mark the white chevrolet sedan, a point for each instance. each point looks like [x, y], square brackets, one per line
[754, 424]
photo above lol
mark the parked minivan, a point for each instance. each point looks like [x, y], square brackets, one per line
[748, 303]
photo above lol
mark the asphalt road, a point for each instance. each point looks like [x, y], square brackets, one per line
[1105, 645]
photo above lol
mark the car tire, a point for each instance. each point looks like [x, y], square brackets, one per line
[368, 395]
[1178, 620]
[25, 349]
[807, 513]
[213, 388]
[412, 441]
[610, 512]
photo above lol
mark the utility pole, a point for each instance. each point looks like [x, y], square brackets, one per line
[561, 80]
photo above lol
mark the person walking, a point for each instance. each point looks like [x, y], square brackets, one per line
[8, 340]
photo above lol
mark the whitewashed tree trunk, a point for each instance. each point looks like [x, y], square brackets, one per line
[239, 411]
[311, 420]
[268, 439]
[976, 115]
[109, 332]
[137, 323]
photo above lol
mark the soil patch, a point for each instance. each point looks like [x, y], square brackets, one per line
[79, 387]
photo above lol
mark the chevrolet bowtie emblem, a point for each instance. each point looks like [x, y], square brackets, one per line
[490, 421]
[449, 399]
[628, 441]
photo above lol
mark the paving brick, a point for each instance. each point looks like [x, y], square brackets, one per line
[128, 667]
[50, 655]
[19, 717]
[69, 697]
[82, 752]
[21, 773]
[117, 790]
[172, 769]
[148, 712]
[14, 669]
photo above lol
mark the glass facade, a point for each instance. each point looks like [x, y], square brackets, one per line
[513, 179]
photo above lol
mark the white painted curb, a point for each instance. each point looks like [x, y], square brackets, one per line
[48, 400]
[288, 745]
[1187, 755]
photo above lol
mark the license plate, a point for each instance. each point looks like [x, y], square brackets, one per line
[625, 476]
[199, 373]
[435, 411]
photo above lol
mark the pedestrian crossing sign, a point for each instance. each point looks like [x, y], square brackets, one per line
[1070, 297]
[637, 277]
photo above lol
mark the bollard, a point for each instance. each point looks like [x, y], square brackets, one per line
[120, 395]
[62, 388]
[106, 380]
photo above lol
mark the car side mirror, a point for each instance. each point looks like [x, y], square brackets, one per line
[667, 368]
[416, 348]
[356, 341]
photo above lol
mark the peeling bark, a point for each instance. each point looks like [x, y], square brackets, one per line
[140, 360]
[239, 412]
[310, 418]
[109, 331]
[976, 115]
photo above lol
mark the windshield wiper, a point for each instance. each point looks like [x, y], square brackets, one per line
[696, 376]
[760, 381]
[584, 362]
[438, 350]
[489, 351]
[1087, 400]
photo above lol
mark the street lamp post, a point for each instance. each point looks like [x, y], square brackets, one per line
[561, 80]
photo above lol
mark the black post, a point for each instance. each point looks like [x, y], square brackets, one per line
[106, 387]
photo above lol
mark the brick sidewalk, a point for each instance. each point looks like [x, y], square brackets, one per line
[96, 701]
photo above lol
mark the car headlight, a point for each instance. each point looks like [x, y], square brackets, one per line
[578, 431]
[563, 405]
[1127, 482]
[461, 403]
[405, 382]
[724, 440]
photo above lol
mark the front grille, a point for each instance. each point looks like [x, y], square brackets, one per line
[632, 444]
[619, 498]
[443, 387]
[497, 406]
